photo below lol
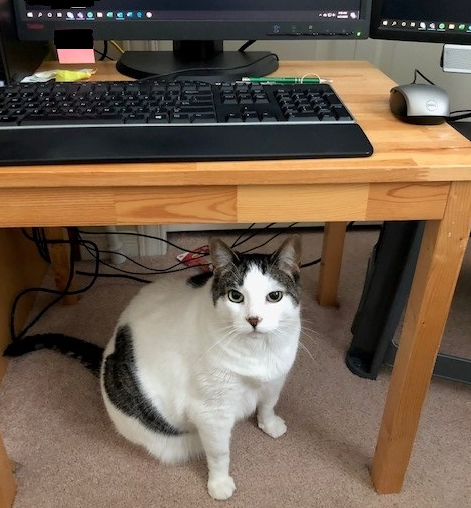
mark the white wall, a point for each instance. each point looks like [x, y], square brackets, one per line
[396, 59]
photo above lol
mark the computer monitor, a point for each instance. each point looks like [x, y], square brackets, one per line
[197, 29]
[445, 21]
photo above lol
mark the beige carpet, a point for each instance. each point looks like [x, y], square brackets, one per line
[69, 456]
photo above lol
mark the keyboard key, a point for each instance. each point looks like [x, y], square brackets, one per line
[159, 118]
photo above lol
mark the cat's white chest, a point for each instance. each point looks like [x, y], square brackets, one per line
[264, 366]
[234, 394]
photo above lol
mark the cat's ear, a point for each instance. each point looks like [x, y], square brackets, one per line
[222, 256]
[288, 256]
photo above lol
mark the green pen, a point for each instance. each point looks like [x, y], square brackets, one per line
[287, 80]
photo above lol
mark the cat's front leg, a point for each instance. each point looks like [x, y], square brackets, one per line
[268, 421]
[216, 440]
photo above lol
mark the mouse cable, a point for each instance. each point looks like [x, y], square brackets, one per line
[417, 72]
[465, 114]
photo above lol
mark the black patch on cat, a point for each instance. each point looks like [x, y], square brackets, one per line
[199, 280]
[122, 386]
[89, 355]
[233, 278]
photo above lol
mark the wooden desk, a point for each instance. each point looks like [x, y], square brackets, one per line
[416, 172]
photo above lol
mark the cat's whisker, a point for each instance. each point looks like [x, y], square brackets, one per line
[309, 321]
[229, 336]
[304, 331]
[307, 351]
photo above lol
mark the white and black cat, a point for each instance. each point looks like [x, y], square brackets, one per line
[189, 359]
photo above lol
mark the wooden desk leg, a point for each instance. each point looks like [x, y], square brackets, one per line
[331, 263]
[7, 479]
[60, 261]
[438, 267]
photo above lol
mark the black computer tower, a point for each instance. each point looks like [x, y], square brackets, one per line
[17, 58]
[386, 291]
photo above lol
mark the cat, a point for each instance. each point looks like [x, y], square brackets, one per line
[188, 359]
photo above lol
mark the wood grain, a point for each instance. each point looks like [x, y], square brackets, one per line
[331, 263]
[433, 287]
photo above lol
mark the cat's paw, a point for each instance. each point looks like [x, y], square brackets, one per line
[274, 427]
[221, 487]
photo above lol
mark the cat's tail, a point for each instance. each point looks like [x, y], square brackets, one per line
[89, 355]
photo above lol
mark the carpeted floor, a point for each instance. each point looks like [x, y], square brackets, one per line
[69, 456]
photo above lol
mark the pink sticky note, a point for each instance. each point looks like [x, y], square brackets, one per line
[76, 56]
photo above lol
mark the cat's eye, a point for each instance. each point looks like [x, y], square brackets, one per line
[274, 296]
[235, 296]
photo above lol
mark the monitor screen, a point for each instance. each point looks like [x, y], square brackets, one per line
[422, 20]
[198, 21]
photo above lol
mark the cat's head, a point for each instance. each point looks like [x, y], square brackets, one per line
[257, 293]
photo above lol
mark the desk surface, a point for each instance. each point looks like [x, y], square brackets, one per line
[403, 153]
[416, 172]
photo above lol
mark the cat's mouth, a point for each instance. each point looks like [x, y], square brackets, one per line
[256, 333]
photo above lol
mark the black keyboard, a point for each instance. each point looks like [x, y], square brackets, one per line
[132, 121]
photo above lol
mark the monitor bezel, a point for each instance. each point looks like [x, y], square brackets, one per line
[200, 29]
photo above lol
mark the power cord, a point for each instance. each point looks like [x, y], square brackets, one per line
[39, 238]
[200, 70]
[59, 294]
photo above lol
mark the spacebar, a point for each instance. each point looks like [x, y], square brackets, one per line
[71, 120]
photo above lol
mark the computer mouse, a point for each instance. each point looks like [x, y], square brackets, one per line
[419, 103]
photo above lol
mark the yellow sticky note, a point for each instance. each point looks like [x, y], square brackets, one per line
[63, 75]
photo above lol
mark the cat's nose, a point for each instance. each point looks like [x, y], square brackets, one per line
[254, 320]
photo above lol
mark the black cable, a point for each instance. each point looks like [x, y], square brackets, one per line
[105, 51]
[246, 45]
[238, 241]
[282, 232]
[459, 117]
[38, 237]
[171, 269]
[113, 275]
[176, 267]
[59, 294]
[199, 70]
[151, 271]
[417, 72]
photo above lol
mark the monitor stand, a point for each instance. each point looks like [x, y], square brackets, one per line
[197, 58]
